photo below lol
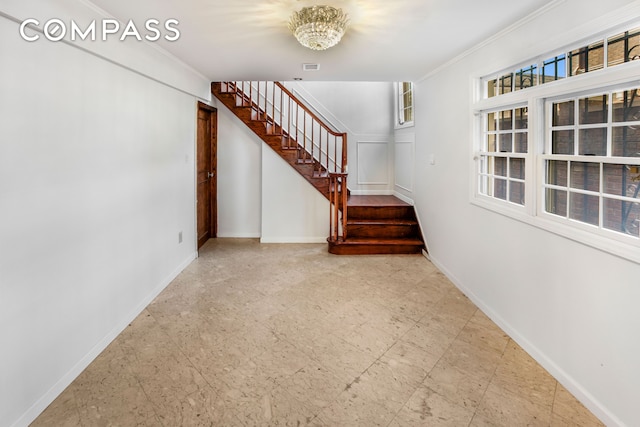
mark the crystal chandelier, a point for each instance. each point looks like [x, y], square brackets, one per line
[318, 27]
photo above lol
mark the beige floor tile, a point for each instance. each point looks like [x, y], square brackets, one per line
[315, 386]
[351, 409]
[428, 408]
[567, 411]
[506, 408]
[252, 334]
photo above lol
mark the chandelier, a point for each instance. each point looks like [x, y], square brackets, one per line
[318, 27]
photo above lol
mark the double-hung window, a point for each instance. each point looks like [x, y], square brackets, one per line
[591, 160]
[404, 112]
[503, 153]
[557, 142]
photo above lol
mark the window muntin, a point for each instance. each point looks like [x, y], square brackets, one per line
[502, 154]
[592, 165]
[405, 103]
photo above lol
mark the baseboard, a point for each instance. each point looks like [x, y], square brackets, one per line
[371, 192]
[403, 198]
[322, 239]
[575, 388]
[239, 235]
[37, 408]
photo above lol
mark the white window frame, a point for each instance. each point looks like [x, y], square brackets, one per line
[619, 77]
[400, 107]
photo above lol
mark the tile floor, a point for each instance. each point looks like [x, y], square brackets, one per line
[255, 334]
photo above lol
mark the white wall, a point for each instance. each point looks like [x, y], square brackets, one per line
[365, 111]
[293, 211]
[574, 308]
[261, 195]
[239, 177]
[96, 181]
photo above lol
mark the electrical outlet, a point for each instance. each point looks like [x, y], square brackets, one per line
[180, 237]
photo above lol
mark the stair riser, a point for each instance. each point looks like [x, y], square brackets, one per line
[382, 231]
[374, 249]
[381, 212]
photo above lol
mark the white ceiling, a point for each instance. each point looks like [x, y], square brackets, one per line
[387, 40]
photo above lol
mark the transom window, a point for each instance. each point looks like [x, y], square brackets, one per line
[605, 53]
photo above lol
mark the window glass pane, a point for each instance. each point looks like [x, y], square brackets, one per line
[626, 106]
[492, 121]
[593, 142]
[408, 99]
[585, 59]
[626, 141]
[491, 88]
[408, 115]
[623, 217]
[520, 143]
[563, 113]
[516, 168]
[557, 172]
[516, 192]
[484, 164]
[585, 176]
[506, 120]
[500, 188]
[521, 118]
[623, 47]
[594, 110]
[505, 83]
[526, 77]
[500, 166]
[556, 202]
[485, 187]
[491, 143]
[622, 180]
[553, 69]
[506, 142]
[562, 142]
[584, 208]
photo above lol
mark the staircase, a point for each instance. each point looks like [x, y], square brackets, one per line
[379, 225]
[373, 224]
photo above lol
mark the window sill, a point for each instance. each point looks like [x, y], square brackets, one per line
[404, 125]
[614, 246]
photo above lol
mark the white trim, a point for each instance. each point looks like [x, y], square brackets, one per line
[372, 193]
[404, 198]
[295, 239]
[45, 400]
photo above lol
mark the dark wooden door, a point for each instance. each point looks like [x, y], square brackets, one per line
[206, 152]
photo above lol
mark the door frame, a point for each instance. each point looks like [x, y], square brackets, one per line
[213, 111]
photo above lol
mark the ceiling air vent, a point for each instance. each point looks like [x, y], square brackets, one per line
[310, 67]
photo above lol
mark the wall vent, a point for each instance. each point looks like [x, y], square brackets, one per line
[310, 67]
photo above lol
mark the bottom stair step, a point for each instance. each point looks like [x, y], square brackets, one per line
[358, 246]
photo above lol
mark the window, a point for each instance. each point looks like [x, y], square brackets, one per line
[405, 104]
[591, 160]
[558, 143]
[503, 153]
